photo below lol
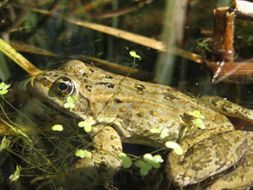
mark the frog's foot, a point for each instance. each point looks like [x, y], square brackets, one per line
[239, 178]
[228, 108]
[91, 173]
[207, 158]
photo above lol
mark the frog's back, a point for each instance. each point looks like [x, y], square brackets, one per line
[138, 106]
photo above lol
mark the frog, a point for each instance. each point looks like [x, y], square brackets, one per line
[125, 110]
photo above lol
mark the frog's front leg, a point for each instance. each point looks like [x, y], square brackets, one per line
[90, 173]
[207, 158]
[227, 108]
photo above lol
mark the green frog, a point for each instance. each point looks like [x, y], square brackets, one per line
[123, 109]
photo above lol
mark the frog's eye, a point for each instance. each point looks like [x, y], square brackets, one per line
[63, 87]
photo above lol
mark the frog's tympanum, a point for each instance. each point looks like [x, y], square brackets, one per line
[123, 109]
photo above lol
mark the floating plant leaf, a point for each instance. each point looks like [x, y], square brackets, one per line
[198, 119]
[175, 146]
[154, 161]
[144, 167]
[15, 176]
[158, 158]
[126, 160]
[5, 143]
[164, 133]
[57, 127]
[83, 153]
[148, 162]
[70, 102]
[4, 88]
[134, 55]
[87, 124]
[155, 130]
[196, 114]
[199, 123]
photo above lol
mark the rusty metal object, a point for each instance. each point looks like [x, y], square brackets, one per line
[222, 65]
[223, 34]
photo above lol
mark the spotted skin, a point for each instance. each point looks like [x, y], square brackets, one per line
[125, 110]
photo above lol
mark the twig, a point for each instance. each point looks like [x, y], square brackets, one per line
[231, 72]
[122, 11]
[135, 38]
[119, 69]
[18, 58]
[23, 47]
[90, 6]
[224, 34]
[142, 40]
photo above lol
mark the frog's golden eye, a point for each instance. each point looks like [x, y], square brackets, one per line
[63, 87]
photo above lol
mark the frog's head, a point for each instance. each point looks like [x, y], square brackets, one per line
[56, 86]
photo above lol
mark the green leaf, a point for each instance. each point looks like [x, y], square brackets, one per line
[126, 160]
[155, 130]
[142, 163]
[4, 88]
[196, 114]
[88, 128]
[139, 163]
[164, 133]
[144, 167]
[144, 171]
[87, 124]
[83, 153]
[69, 105]
[148, 157]
[153, 161]
[175, 146]
[2, 84]
[70, 99]
[15, 176]
[5, 143]
[81, 124]
[150, 160]
[70, 102]
[57, 127]
[134, 55]
[2, 92]
[199, 123]
[158, 158]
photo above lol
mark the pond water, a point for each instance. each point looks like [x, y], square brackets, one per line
[166, 42]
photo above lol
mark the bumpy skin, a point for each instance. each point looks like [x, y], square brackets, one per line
[90, 173]
[208, 157]
[241, 177]
[131, 108]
